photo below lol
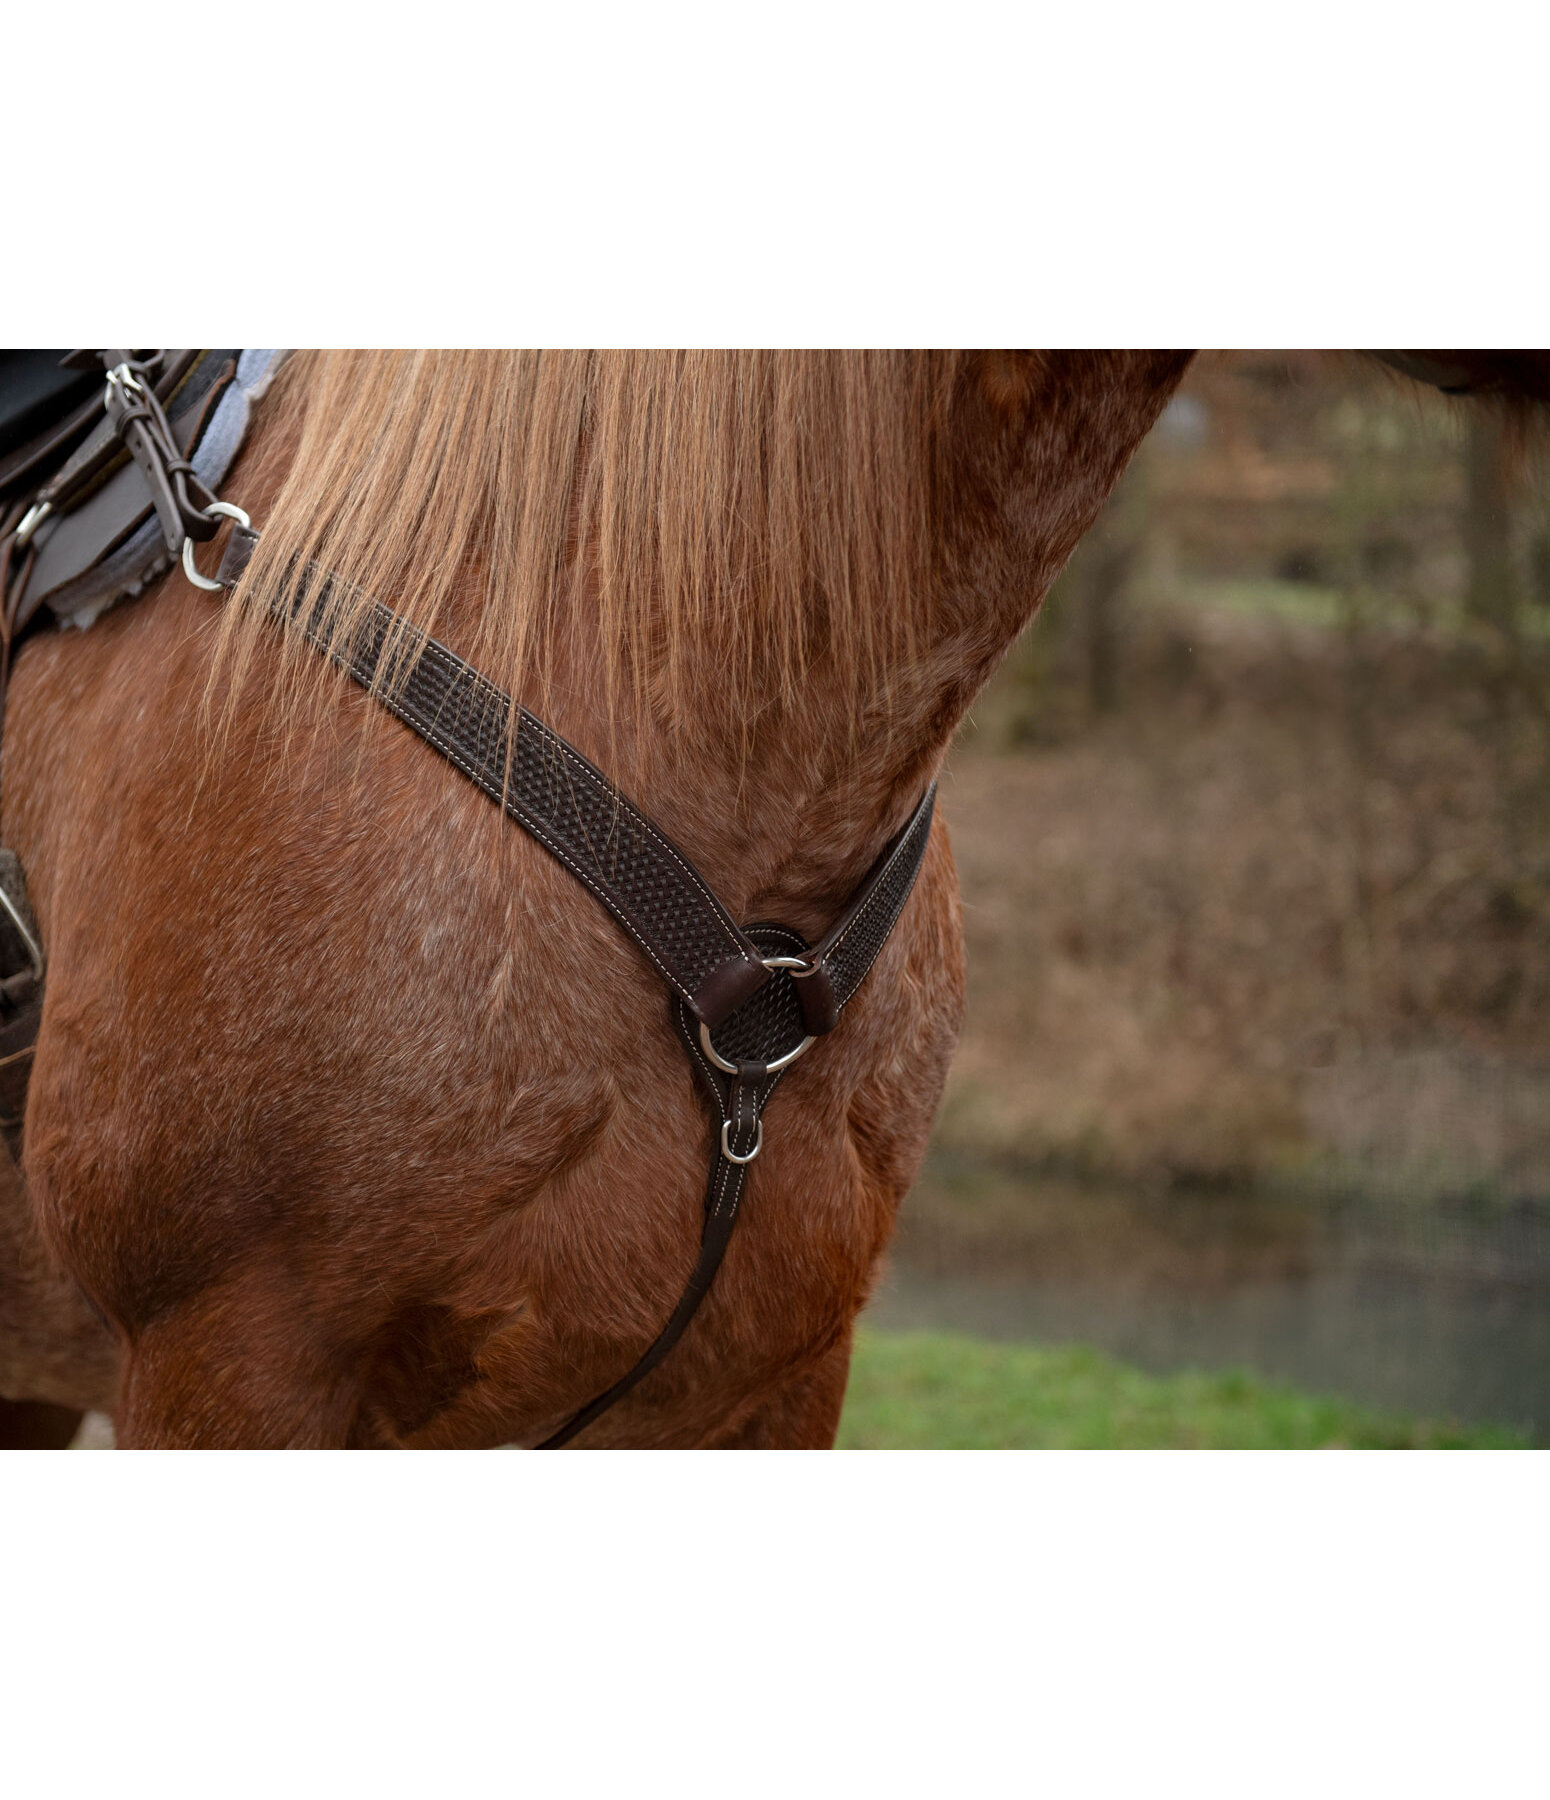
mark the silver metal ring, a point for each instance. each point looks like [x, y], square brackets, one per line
[758, 1142]
[774, 1068]
[800, 966]
[220, 509]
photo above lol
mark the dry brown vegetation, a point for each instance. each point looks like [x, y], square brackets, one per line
[1257, 872]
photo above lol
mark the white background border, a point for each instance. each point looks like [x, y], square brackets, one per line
[888, 1624]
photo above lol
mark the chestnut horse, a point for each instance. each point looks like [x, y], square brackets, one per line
[354, 1120]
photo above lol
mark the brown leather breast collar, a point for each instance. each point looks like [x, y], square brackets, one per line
[747, 1001]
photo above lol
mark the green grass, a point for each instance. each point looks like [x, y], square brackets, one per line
[919, 1391]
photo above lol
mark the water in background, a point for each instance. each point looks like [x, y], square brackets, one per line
[1433, 1306]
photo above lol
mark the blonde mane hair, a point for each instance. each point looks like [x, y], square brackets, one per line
[713, 524]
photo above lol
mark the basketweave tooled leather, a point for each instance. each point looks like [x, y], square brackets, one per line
[714, 967]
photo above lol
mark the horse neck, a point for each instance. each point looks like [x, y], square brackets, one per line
[785, 817]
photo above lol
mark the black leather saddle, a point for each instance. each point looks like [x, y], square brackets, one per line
[84, 518]
[38, 393]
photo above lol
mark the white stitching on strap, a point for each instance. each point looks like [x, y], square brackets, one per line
[435, 735]
[454, 667]
[882, 877]
[899, 850]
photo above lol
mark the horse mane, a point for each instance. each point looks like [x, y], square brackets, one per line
[700, 527]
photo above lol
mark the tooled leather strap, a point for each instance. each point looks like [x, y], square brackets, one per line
[762, 1018]
[848, 949]
[551, 790]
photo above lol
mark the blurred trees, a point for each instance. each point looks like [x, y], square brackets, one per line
[1490, 592]
[1287, 796]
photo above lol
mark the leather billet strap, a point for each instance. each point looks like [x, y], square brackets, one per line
[179, 497]
[87, 434]
[720, 973]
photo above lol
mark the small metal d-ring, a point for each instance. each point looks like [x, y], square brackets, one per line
[774, 1068]
[216, 509]
[758, 1142]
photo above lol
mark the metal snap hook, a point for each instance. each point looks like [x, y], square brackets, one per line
[121, 375]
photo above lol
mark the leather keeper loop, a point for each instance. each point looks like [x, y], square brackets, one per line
[819, 1002]
[726, 988]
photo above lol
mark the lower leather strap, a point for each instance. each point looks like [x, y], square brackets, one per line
[742, 1130]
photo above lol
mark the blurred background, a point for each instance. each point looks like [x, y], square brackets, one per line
[1248, 1137]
